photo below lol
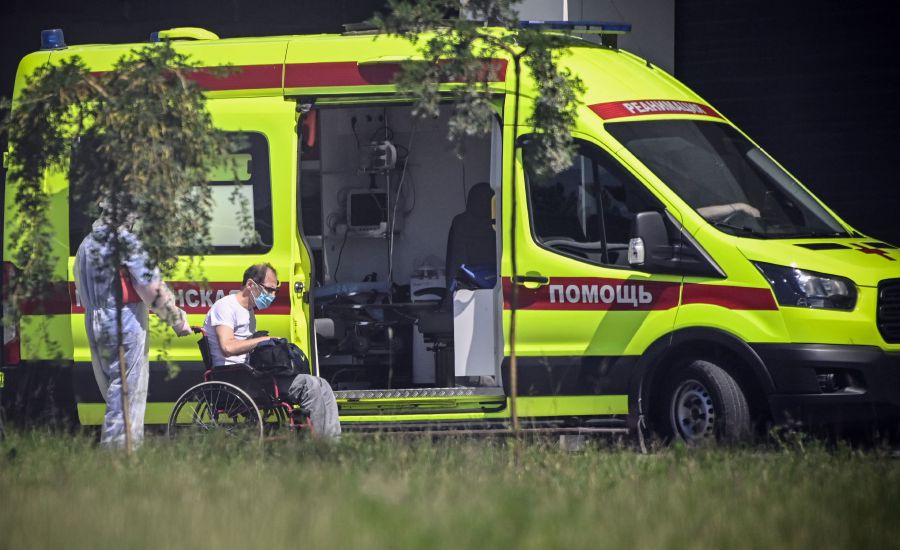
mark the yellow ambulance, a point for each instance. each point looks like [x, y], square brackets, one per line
[675, 276]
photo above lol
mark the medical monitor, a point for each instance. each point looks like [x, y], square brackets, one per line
[366, 210]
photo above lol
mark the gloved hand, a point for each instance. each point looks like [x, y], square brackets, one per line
[184, 329]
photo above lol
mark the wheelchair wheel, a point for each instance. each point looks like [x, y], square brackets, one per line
[274, 418]
[216, 408]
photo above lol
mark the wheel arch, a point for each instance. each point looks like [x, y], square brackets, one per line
[727, 350]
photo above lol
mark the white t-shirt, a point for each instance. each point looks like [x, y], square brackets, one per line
[228, 311]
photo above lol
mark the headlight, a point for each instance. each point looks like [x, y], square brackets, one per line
[800, 288]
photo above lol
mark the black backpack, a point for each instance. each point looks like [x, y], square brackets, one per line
[278, 355]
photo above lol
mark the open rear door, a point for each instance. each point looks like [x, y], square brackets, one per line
[302, 262]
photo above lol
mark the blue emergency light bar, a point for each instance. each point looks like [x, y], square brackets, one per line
[52, 39]
[580, 27]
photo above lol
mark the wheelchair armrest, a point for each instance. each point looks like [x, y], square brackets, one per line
[230, 369]
[233, 367]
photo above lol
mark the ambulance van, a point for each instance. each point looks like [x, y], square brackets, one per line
[676, 276]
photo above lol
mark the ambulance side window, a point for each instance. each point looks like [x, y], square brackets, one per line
[586, 211]
[252, 195]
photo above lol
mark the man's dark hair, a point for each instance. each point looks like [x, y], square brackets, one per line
[257, 272]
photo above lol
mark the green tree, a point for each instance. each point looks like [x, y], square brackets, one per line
[137, 140]
[458, 41]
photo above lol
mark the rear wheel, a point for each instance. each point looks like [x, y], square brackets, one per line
[702, 402]
[216, 408]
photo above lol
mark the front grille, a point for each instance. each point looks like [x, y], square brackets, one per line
[888, 317]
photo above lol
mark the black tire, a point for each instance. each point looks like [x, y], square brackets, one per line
[216, 408]
[701, 402]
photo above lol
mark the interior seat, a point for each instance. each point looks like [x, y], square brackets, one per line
[471, 241]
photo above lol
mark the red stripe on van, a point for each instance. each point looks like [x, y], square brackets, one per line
[306, 75]
[338, 73]
[237, 77]
[54, 302]
[242, 77]
[594, 294]
[646, 107]
[350, 73]
[603, 294]
[192, 299]
[730, 297]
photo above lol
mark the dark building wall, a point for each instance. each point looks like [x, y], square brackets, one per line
[815, 84]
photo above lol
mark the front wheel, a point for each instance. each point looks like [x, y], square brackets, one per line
[702, 402]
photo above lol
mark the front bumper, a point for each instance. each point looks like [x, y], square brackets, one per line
[832, 384]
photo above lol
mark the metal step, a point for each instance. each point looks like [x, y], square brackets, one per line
[474, 429]
[417, 393]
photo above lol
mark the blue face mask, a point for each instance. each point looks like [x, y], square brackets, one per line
[264, 299]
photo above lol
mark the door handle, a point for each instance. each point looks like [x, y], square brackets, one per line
[298, 287]
[532, 280]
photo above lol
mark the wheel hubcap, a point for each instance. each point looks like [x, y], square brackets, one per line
[693, 414]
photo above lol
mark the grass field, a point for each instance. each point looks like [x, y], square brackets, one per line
[60, 492]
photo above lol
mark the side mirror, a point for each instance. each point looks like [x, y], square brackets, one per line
[649, 246]
[650, 250]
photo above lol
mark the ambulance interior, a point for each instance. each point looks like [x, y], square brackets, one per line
[379, 191]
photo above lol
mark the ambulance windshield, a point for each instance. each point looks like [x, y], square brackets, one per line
[726, 179]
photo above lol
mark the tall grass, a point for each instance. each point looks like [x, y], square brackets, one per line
[368, 492]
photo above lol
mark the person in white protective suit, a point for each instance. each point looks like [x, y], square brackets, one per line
[95, 281]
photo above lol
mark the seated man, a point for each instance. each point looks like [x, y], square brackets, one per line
[229, 327]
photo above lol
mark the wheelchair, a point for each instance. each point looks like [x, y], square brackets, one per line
[235, 401]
